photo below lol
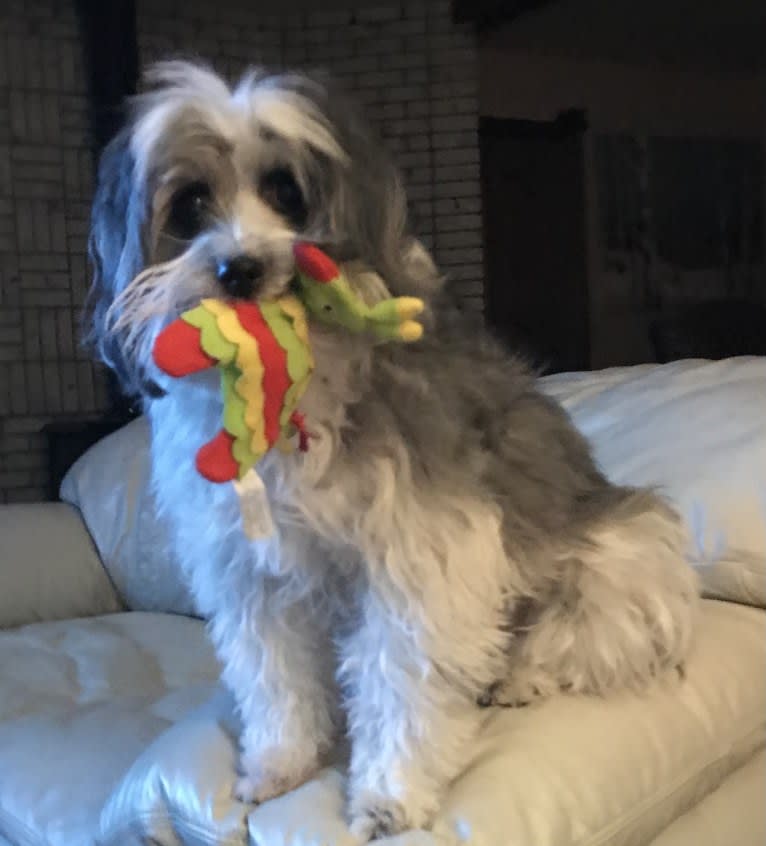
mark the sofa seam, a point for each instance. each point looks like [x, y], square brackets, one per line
[178, 821]
[120, 599]
[601, 837]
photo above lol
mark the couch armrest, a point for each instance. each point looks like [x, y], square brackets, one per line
[49, 567]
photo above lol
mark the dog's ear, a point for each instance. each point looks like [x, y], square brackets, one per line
[117, 253]
[420, 268]
[368, 203]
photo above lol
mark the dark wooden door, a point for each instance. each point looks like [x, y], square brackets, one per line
[535, 241]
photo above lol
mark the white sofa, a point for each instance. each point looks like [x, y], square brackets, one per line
[113, 729]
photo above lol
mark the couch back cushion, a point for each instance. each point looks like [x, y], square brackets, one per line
[694, 429]
[110, 485]
[49, 568]
[697, 431]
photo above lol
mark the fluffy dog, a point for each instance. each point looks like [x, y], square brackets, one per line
[446, 542]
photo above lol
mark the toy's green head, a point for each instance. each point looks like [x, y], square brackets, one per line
[328, 297]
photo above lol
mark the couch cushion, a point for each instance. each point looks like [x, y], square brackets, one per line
[570, 771]
[79, 701]
[697, 430]
[110, 485]
[617, 771]
[49, 568]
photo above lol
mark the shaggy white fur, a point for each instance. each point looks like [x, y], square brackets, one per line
[447, 540]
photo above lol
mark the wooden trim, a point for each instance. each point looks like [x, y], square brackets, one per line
[569, 122]
[110, 47]
[533, 306]
[110, 50]
[490, 13]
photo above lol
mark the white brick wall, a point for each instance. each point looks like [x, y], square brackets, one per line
[413, 69]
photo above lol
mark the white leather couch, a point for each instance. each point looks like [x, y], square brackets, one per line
[113, 729]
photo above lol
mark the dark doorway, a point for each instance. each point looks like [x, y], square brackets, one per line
[535, 237]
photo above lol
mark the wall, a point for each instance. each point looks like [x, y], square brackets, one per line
[647, 99]
[415, 72]
[620, 97]
[45, 188]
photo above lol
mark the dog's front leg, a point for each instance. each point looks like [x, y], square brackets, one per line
[410, 722]
[277, 663]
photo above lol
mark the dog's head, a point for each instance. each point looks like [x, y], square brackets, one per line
[205, 191]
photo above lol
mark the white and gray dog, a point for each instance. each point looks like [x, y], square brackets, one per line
[447, 541]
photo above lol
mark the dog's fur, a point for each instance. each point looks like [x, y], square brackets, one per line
[447, 540]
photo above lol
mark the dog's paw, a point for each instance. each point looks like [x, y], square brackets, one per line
[275, 773]
[499, 695]
[254, 791]
[374, 817]
[519, 690]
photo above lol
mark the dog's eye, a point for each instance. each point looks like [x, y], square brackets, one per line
[280, 190]
[189, 210]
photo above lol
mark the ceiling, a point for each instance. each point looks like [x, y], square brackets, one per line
[727, 35]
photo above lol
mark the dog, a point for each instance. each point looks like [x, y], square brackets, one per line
[447, 542]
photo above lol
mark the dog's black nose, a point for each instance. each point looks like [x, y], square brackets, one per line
[240, 276]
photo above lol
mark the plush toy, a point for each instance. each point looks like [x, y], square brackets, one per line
[263, 354]
[265, 362]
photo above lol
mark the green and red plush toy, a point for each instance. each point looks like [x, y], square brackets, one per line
[264, 357]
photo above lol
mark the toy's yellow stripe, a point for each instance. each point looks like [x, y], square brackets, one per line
[249, 385]
[293, 339]
[287, 320]
[292, 307]
[234, 407]
[211, 340]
